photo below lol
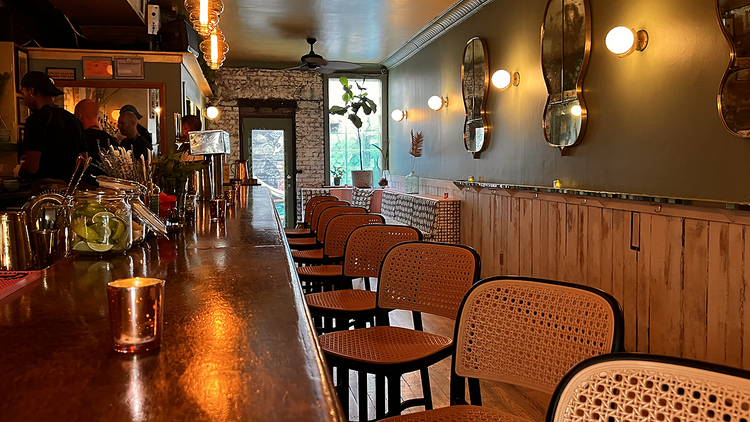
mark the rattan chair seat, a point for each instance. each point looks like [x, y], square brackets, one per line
[297, 232]
[308, 254]
[458, 414]
[320, 271]
[302, 241]
[383, 345]
[342, 300]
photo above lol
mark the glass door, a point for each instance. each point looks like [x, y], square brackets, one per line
[269, 145]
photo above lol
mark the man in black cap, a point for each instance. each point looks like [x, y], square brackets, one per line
[141, 130]
[53, 137]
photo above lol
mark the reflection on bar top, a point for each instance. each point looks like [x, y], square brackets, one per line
[125, 283]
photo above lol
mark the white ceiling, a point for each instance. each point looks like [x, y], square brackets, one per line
[360, 31]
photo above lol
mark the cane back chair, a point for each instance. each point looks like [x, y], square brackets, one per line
[364, 253]
[334, 241]
[302, 243]
[633, 386]
[527, 332]
[417, 277]
[316, 255]
[309, 207]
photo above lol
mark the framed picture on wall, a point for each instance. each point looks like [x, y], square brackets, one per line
[61, 74]
[23, 111]
[129, 68]
[97, 68]
[22, 66]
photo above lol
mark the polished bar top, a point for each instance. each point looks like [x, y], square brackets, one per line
[238, 343]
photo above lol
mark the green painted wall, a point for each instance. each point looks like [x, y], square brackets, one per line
[653, 122]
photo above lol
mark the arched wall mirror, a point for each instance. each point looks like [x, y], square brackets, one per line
[734, 91]
[566, 43]
[474, 81]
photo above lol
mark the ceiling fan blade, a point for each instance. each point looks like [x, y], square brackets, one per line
[300, 67]
[325, 70]
[316, 60]
[339, 65]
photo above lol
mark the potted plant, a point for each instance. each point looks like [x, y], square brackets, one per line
[352, 105]
[337, 172]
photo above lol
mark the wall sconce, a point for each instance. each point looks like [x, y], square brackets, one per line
[502, 79]
[398, 115]
[212, 112]
[623, 41]
[437, 102]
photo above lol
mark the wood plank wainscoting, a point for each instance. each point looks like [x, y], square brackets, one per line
[679, 271]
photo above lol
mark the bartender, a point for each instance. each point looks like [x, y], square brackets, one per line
[53, 137]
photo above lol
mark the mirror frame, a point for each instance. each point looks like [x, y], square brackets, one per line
[579, 82]
[163, 142]
[735, 64]
[482, 113]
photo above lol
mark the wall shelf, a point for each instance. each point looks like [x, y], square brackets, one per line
[478, 186]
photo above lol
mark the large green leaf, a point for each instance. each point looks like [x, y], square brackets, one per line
[337, 110]
[355, 120]
[344, 81]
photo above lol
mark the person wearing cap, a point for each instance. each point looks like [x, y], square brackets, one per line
[127, 123]
[141, 130]
[53, 137]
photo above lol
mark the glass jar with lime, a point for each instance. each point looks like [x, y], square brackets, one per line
[101, 222]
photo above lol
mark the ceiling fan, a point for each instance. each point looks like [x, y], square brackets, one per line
[314, 61]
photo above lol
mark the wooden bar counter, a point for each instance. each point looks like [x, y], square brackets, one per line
[238, 343]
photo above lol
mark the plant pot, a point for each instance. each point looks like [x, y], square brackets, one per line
[336, 181]
[362, 178]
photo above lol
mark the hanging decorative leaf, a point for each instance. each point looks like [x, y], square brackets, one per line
[417, 142]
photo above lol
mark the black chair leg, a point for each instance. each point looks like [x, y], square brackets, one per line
[362, 386]
[379, 396]
[394, 395]
[342, 388]
[427, 393]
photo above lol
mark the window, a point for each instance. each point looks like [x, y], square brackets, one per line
[343, 141]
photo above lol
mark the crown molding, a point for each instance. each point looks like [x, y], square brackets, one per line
[454, 15]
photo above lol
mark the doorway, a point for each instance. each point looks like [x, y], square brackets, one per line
[268, 143]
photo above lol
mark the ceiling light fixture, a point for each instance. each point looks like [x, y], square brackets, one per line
[502, 79]
[437, 102]
[623, 41]
[215, 49]
[398, 115]
[204, 15]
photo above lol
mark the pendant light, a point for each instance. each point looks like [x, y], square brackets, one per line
[215, 49]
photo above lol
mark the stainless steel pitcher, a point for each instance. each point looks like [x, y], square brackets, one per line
[15, 243]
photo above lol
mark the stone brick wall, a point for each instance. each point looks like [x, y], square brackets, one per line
[305, 87]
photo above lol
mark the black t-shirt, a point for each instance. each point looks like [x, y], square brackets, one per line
[139, 145]
[95, 139]
[58, 135]
[145, 133]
